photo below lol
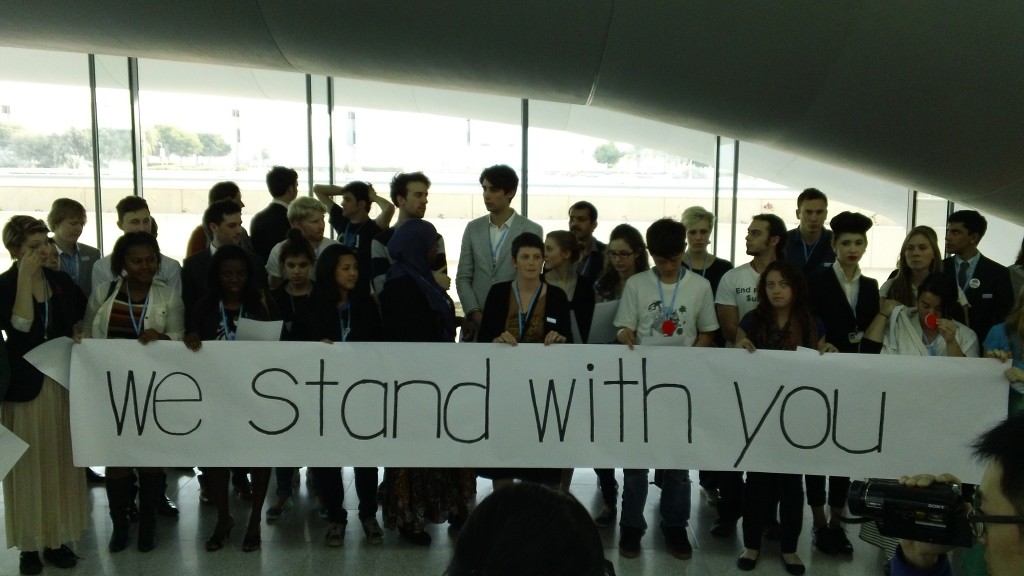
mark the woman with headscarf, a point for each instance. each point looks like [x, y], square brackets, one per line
[415, 308]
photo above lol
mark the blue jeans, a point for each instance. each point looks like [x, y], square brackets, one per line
[675, 499]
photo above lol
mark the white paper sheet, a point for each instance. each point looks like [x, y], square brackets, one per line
[53, 358]
[11, 449]
[602, 330]
[254, 330]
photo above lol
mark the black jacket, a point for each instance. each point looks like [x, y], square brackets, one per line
[829, 303]
[67, 306]
[556, 308]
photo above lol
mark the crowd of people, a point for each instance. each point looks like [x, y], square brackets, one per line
[378, 282]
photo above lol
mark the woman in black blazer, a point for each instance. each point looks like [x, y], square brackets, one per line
[846, 302]
[526, 309]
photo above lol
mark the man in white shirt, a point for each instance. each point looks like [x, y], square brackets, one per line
[737, 291]
[133, 216]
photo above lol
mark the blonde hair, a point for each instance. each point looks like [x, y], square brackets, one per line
[303, 207]
[19, 228]
[695, 214]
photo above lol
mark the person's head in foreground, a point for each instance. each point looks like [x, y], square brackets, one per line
[531, 529]
[1000, 497]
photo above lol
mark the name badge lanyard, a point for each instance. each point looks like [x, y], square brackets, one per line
[496, 247]
[72, 264]
[353, 242]
[345, 320]
[229, 334]
[140, 325]
[703, 271]
[46, 309]
[523, 318]
[807, 253]
[668, 326]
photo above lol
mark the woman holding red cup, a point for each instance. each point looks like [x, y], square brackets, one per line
[932, 328]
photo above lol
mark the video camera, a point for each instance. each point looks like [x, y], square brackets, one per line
[935, 514]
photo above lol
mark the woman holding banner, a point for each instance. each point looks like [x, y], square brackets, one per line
[1004, 341]
[136, 306]
[45, 500]
[294, 300]
[232, 294]
[525, 310]
[781, 321]
[340, 313]
[415, 308]
[932, 328]
[625, 256]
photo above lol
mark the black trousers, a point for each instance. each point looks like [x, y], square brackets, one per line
[759, 489]
[332, 492]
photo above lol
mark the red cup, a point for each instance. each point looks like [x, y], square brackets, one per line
[931, 321]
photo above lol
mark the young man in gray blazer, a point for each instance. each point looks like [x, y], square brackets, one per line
[486, 258]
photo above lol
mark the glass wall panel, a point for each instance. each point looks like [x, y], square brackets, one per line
[114, 116]
[45, 134]
[202, 124]
[449, 136]
[633, 170]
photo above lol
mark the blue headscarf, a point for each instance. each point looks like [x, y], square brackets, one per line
[409, 248]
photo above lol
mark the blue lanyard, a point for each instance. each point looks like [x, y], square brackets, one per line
[228, 333]
[138, 326]
[70, 264]
[586, 264]
[345, 320]
[519, 302]
[807, 254]
[46, 308]
[496, 247]
[703, 271]
[666, 313]
[352, 242]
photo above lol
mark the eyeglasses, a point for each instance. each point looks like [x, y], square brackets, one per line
[620, 254]
[978, 521]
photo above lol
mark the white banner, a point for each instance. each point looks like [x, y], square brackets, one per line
[484, 405]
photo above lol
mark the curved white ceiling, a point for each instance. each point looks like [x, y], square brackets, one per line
[925, 95]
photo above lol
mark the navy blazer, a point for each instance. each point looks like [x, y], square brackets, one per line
[828, 302]
[992, 300]
[268, 227]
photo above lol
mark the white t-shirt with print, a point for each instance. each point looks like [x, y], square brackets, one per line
[641, 308]
[738, 288]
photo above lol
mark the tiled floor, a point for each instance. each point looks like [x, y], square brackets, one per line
[294, 545]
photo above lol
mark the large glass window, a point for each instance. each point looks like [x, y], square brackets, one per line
[202, 124]
[45, 134]
[633, 170]
[449, 136]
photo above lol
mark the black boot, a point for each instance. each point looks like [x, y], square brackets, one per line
[151, 489]
[119, 493]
